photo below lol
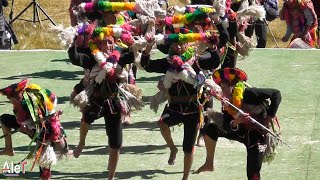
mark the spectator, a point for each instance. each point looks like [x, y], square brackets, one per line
[301, 20]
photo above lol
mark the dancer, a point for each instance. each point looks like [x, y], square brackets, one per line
[108, 99]
[234, 125]
[35, 115]
[301, 20]
[183, 95]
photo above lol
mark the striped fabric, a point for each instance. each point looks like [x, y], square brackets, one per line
[229, 74]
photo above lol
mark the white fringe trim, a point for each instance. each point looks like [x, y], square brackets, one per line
[47, 158]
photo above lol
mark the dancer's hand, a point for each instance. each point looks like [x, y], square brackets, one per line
[215, 88]
[267, 121]
[242, 119]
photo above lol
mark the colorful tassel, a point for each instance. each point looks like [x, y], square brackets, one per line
[198, 15]
[185, 38]
[108, 6]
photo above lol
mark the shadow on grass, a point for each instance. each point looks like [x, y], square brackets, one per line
[143, 125]
[61, 60]
[138, 149]
[64, 99]
[3, 103]
[70, 125]
[103, 150]
[148, 79]
[143, 174]
[50, 74]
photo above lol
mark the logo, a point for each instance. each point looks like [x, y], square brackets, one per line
[11, 169]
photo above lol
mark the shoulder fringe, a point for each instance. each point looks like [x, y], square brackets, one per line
[133, 95]
[255, 11]
[158, 99]
[214, 116]
[244, 44]
[65, 35]
[81, 99]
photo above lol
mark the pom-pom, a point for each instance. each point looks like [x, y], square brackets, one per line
[127, 38]
[99, 57]
[89, 6]
[45, 173]
[111, 75]
[177, 62]
[114, 56]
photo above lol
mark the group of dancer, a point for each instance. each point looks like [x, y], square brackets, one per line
[111, 40]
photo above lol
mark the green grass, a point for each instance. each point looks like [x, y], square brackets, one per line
[144, 154]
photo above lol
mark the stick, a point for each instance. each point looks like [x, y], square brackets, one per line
[252, 119]
[274, 39]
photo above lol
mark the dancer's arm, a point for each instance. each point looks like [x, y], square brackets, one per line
[84, 60]
[158, 65]
[223, 35]
[210, 59]
[254, 95]
[127, 57]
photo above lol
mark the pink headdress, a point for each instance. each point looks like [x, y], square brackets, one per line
[14, 89]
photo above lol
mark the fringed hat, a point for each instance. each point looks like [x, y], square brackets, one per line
[232, 75]
[14, 89]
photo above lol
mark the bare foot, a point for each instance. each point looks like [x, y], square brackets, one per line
[6, 152]
[172, 158]
[203, 168]
[77, 151]
[126, 123]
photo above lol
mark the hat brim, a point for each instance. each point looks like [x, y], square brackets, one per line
[14, 88]
[231, 75]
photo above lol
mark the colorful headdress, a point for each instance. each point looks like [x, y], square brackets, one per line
[13, 89]
[38, 98]
[182, 38]
[187, 18]
[108, 6]
[232, 75]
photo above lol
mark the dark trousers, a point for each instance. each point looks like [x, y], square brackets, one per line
[172, 117]
[230, 59]
[250, 139]
[260, 28]
[109, 109]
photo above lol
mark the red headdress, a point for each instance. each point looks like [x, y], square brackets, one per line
[14, 89]
[232, 75]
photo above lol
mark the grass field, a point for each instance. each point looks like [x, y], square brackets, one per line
[144, 155]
